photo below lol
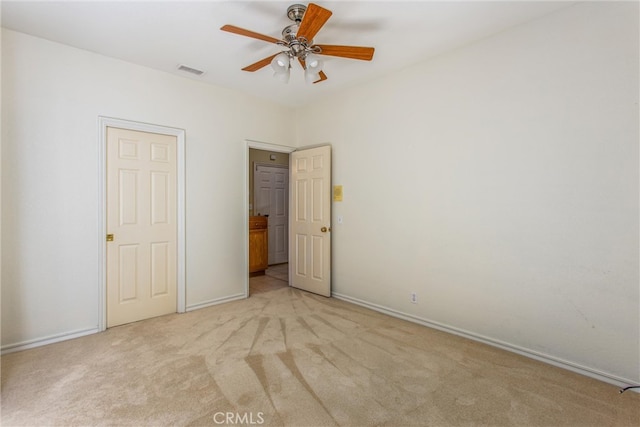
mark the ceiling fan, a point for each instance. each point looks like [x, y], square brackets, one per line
[297, 38]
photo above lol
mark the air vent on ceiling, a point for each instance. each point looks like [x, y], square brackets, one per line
[195, 71]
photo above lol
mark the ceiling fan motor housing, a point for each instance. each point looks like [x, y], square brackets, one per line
[289, 33]
[298, 47]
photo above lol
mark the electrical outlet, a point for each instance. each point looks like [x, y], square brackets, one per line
[414, 298]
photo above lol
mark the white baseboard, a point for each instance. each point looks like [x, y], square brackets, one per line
[552, 360]
[555, 361]
[215, 302]
[37, 342]
[24, 345]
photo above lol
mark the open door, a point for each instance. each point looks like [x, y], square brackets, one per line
[310, 220]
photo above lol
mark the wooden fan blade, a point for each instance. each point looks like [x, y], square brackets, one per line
[262, 63]
[322, 75]
[353, 52]
[313, 19]
[241, 31]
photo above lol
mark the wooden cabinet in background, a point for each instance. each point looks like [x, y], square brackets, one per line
[258, 244]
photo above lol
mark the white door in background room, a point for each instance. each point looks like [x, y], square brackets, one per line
[271, 197]
[310, 238]
[141, 225]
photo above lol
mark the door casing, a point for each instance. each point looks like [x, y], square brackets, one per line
[103, 124]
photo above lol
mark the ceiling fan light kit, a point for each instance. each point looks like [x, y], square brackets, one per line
[283, 76]
[281, 65]
[313, 62]
[311, 77]
[281, 62]
[297, 38]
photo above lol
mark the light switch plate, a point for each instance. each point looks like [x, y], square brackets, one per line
[337, 193]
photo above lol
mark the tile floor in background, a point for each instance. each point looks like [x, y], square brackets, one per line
[275, 277]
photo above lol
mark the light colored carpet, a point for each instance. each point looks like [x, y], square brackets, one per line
[287, 357]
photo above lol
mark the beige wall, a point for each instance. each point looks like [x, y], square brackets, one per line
[499, 182]
[52, 96]
[261, 156]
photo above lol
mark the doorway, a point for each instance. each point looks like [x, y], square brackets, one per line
[310, 210]
[268, 165]
[269, 202]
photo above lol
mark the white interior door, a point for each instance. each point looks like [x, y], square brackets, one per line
[310, 237]
[141, 217]
[271, 197]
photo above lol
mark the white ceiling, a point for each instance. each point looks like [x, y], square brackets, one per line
[162, 35]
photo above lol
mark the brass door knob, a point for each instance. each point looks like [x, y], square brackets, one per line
[325, 229]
